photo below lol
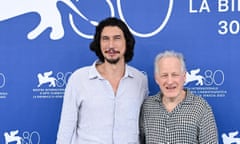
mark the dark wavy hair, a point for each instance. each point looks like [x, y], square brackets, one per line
[112, 21]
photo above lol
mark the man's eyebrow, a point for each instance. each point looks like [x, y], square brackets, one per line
[104, 36]
[117, 35]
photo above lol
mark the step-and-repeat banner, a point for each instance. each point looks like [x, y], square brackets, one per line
[43, 41]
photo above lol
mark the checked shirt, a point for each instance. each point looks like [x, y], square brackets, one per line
[191, 122]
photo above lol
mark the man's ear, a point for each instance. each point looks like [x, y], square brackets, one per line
[156, 77]
[185, 76]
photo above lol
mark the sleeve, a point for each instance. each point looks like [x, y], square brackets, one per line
[146, 86]
[141, 127]
[69, 116]
[208, 128]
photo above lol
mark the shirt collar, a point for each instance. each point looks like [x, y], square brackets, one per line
[93, 73]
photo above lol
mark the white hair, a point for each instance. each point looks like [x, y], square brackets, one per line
[169, 53]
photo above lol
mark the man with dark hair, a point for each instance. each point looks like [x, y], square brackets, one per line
[102, 102]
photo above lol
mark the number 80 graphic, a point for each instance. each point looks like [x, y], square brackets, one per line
[122, 17]
[2, 80]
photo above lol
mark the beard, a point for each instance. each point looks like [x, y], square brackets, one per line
[112, 61]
